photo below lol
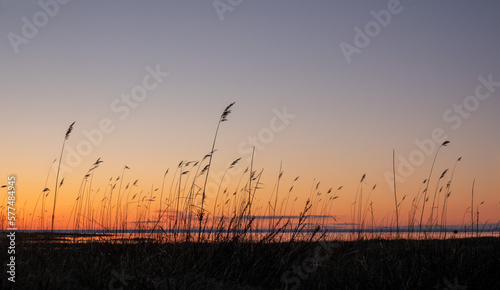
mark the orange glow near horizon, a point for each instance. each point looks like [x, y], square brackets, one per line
[340, 207]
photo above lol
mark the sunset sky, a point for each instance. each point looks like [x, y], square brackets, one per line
[328, 88]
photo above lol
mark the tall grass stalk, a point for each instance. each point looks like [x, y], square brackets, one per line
[214, 215]
[176, 225]
[191, 197]
[66, 136]
[415, 205]
[42, 196]
[445, 143]
[119, 201]
[472, 208]
[395, 192]
[365, 211]
[250, 184]
[160, 210]
[447, 196]
[222, 118]
[278, 187]
[353, 214]
[431, 218]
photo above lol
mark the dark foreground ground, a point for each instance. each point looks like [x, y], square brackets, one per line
[373, 264]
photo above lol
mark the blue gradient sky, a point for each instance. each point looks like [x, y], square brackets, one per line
[263, 55]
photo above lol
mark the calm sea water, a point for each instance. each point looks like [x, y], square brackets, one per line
[255, 234]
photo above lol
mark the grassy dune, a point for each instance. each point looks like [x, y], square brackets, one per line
[372, 264]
